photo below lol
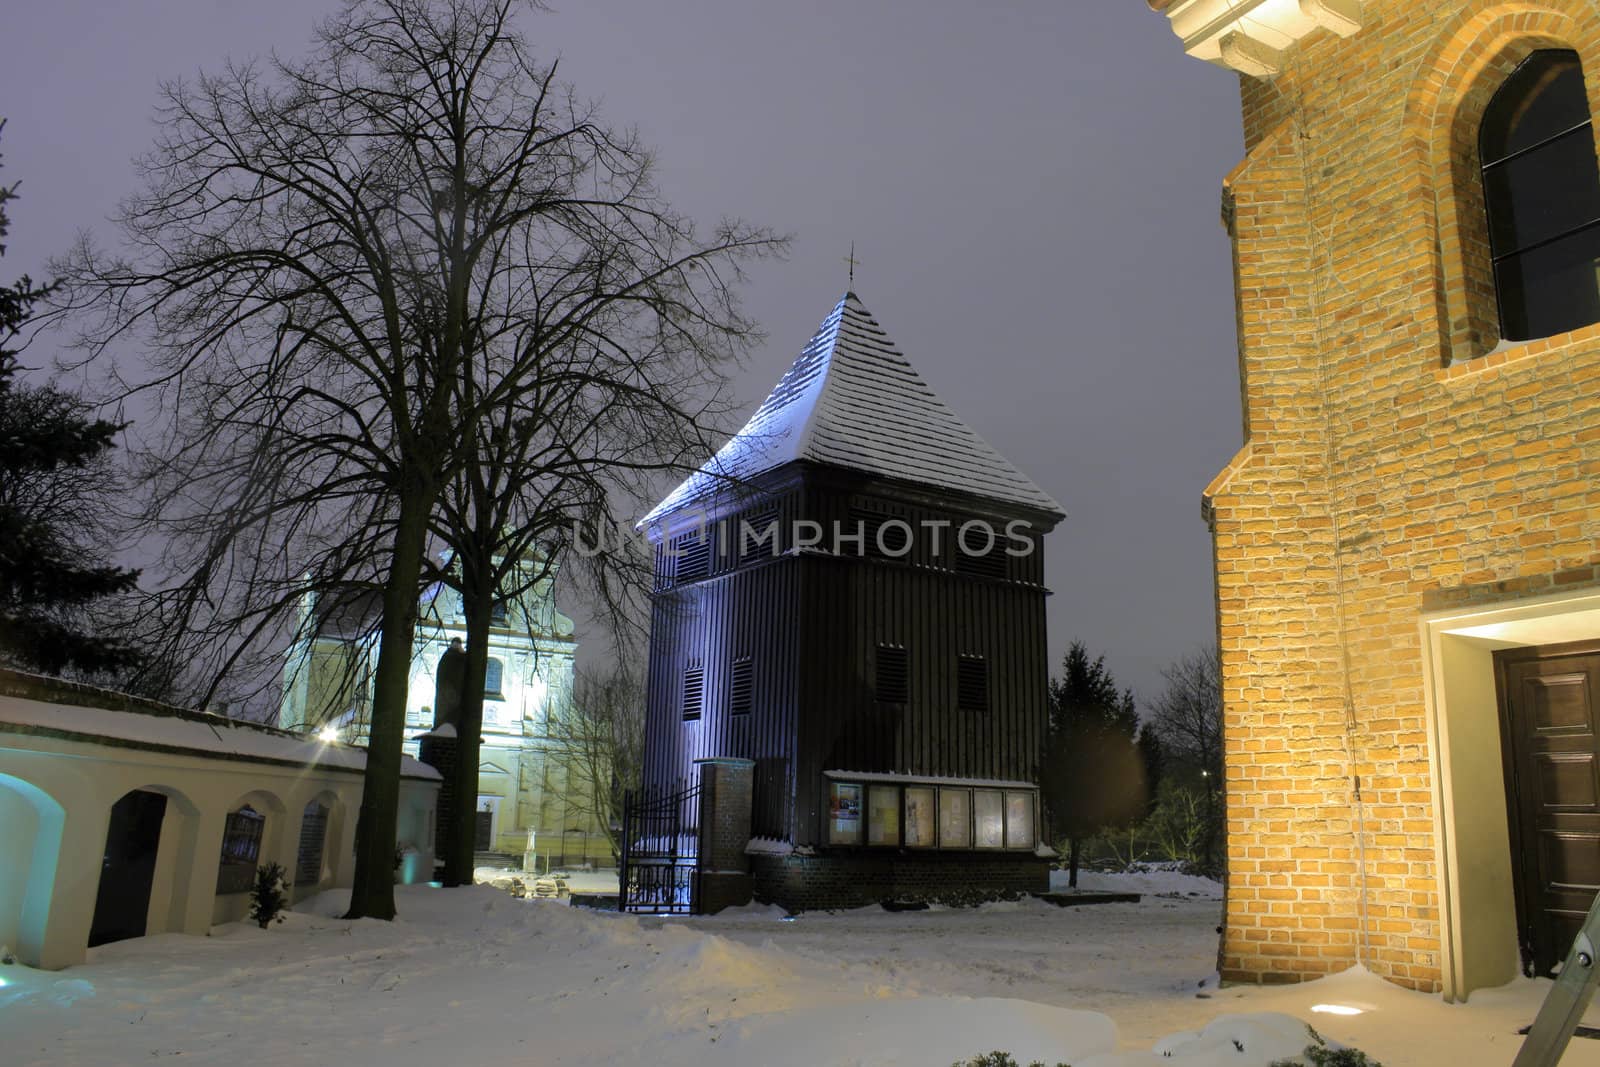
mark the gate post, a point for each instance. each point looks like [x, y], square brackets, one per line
[726, 790]
[438, 748]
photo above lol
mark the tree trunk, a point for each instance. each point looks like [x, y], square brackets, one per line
[372, 894]
[1073, 848]
[476, 602]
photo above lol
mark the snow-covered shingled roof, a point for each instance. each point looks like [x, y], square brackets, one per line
[852, 400]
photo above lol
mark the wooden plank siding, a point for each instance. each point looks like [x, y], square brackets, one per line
[811, 622]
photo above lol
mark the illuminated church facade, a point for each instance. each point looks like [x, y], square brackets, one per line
[529, 810]
[1407, 545]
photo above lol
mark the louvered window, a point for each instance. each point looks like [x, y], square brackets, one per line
[759, 534]
[694, 692]
[972, 683]
[740, 687]
[893, 675]
[978, 550]
[693, 552]
[887, 537]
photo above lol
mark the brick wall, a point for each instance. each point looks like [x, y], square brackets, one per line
[853, 879]
[1391, 467]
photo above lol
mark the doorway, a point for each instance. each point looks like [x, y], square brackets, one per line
[1551, 753]
[128, 869]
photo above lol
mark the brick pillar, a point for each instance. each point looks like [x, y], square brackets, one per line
[439, 749]
[726, 787]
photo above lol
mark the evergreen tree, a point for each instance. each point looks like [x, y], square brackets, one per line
[51, 463]
[1095, 771]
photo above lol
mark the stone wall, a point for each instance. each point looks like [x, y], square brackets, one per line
[1395, 463]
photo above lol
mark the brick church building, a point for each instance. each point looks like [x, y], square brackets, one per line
[849, 618]
[1408, 543]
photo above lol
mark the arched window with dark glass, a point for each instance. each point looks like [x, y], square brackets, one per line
[494, 674]
[1541, 190]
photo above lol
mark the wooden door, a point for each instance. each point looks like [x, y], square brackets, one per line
[1552, 764]
[129, 867]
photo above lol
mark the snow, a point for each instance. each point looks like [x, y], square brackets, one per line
[1155, 881]
[190, 731]
[768, 846]
[852, 400]
[473, 976]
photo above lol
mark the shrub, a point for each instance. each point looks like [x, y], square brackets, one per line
[1319, 1054]
[269, 897]
[998, 1059]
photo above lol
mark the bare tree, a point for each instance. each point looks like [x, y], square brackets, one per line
[599, 732]
[334, 263]
[1187, 716]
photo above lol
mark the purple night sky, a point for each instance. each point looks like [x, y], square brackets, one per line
[1032, 188]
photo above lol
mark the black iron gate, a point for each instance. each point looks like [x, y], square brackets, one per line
[661, 851]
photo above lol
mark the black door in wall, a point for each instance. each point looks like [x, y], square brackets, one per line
[129, 867]
[1551, 743]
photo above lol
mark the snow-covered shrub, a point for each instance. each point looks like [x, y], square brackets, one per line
[1320, 1054]
[998, 1059]
[269, 897]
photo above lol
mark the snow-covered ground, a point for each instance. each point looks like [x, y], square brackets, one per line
[473, 976]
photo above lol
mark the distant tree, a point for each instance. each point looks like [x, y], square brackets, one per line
[599, 732]
[53, 474]
[1095, 775]
[1187, 716]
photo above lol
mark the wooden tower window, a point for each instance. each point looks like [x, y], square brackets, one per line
[893, 675]
[972, 683]
[694, 691]
[739, 687]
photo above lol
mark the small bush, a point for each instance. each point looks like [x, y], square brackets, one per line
[1318, 1054]
[269, 897]
[999, 1059]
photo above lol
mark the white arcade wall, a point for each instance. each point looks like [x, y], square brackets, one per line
[115, 820]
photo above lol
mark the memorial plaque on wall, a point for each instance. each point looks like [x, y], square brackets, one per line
[955, 818]
[883, 815]
[1019, 820]
[844, 813]
[921, 827]
[989, 821]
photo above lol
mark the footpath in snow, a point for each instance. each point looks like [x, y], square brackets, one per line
[473, 976]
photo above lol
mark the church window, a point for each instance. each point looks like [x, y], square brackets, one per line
[694, 691]
[241, 848]
[1541, 189]
[498, 612]
[494, 673]
[893, 681]
[740, 686]
[972, 683]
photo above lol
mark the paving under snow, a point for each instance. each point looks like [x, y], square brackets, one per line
[474, 976]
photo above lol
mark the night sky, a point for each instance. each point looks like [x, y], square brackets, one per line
[1032, 187]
